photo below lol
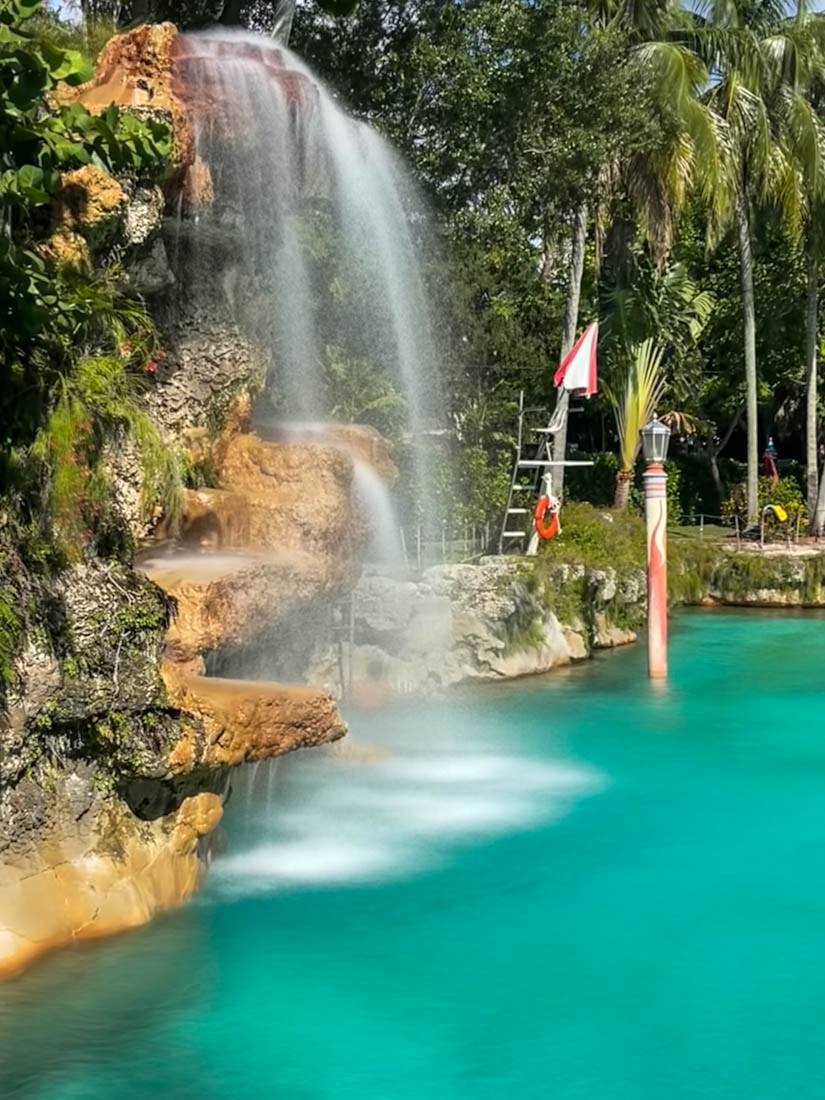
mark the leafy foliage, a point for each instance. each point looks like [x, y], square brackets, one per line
[634, 405]
[785, 493]
[73, 346]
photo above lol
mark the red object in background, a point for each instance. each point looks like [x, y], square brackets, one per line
[769, 463]
[577, 371]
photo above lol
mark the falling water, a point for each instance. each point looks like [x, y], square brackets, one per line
[360, 812]
[304, 201]
[385, 546]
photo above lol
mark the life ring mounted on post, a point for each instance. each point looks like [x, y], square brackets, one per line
[546, 517]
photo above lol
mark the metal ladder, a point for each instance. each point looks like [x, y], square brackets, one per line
[541, 459]
[534, 467]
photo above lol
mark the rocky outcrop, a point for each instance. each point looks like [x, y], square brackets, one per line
[136, 71]
[115, 768]
[496, 620]
[98, 869]
[720, 573]
[291, 507]
[242, 721]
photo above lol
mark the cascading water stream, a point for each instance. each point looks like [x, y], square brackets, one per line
[306, 202]
[385, 549]
[359, 813]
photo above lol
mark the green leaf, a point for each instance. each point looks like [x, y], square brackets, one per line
[30, 184]
[9, 36]
[81, 70]
[23, 9]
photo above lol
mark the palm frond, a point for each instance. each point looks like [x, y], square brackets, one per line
[634, 400]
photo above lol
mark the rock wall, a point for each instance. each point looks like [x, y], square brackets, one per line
[113, 766]
[499, 619]
[116, 755]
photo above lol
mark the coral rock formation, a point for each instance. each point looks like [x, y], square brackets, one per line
[137, 70]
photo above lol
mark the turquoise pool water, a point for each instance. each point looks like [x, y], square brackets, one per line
[572, 887]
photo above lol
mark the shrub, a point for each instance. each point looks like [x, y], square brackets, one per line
[786, 493]
[598, 537]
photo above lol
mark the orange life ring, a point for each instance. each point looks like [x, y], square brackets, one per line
[545, 520]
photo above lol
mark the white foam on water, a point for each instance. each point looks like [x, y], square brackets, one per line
[328, 821]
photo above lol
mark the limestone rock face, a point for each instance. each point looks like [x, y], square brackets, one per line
[113, 776]
[222, 599]
[301, 499]
[91, 202]
[245, 720]
[494, 620]
[291, 506]
[209, 366]
[368, 445]
[85, 882]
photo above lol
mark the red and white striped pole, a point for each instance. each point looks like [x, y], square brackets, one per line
[655, 440]
[655, 480]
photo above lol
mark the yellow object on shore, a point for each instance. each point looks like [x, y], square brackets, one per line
[778, 511]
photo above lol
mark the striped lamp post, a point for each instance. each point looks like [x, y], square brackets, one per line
[655, 440]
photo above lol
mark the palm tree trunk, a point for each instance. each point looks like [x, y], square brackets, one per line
[810, 388]
[568, 336]
[819, 512]
[716, 477]
[622, 495]
[749, 317]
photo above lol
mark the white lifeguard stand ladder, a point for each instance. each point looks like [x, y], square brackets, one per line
[532, 475]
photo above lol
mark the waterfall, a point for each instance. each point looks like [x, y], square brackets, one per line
[309, 238]
[385, 548]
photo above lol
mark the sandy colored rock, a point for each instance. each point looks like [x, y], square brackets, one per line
[291, 506]
[246, 720]
[136, 70]
[94, 878]
[65, 247]
[109, 870]
[222, 599]
[305, 493]
[369, 445]
[90, 201]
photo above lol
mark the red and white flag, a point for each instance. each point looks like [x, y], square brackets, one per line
[578, 369]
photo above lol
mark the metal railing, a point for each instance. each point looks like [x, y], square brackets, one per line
[790, 528]
[421, 548]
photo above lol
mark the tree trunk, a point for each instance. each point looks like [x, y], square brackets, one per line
[714, 452]
[749, 317]
[546, 250]
[810, 388]
[713, 461]
[568, 336]
[819, 513]
[622, 495]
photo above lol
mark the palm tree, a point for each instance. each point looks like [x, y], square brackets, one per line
[758, 58]
[634, 402]
[809, 145]
[656, 185]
